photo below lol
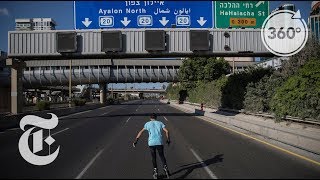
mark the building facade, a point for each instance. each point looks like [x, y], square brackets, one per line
[314, 19]
[24, 25]
[240, 63]
[35, 24]
[274, 62]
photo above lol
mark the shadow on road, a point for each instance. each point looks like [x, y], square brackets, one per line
[225, 113]
[188, 168]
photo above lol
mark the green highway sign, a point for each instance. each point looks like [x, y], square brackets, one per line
[250, 14]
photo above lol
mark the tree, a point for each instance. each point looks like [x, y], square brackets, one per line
[310, 51]
[198, 69]
[299, 96]
[215, 68]
[187, 73]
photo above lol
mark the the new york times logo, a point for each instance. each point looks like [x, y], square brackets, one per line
[37, 136]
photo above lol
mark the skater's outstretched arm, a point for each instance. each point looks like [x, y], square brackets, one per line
[167, 134]
[140, 132]
[138, 136]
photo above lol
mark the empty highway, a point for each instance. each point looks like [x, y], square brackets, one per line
[98, 144]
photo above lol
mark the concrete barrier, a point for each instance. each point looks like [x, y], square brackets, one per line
[12, 121]
[295, 134]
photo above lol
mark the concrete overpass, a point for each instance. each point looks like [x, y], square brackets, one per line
[37, 73]
[41, 72]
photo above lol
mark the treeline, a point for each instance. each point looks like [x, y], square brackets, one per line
[292, 90]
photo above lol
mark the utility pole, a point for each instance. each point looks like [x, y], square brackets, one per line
[70, 83]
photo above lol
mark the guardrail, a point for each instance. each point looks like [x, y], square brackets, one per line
[266, 115]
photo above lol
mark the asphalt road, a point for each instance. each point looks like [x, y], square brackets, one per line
[98, 144]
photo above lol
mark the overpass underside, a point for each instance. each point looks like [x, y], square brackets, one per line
[41, 73]
[37, 73]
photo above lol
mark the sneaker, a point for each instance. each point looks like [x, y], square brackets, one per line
[166, 170]
[155, 173]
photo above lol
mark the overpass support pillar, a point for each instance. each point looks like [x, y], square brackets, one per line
[141, 96]
[90, 94]
[115, 95]
[5, 102]
[103, 93]
[16, 85]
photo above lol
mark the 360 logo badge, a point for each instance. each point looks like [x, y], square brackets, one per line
[24, 148]
[284, 32]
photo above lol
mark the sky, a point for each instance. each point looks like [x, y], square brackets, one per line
[62, 13]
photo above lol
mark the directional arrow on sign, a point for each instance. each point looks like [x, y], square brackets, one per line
[259, 3]
[86, 22]
[125, 21]
[201, 21]
[164, 21]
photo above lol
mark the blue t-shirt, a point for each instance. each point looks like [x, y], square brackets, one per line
[155, 132]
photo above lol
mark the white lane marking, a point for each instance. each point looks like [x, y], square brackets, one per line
[210, 173]
[128, 119]
[53, 133]
[138, 108]
[123, 107]
[75, 114]
[59, 131]
[104, 107]
[13, 129]
[159, 110]
[105, 113]
[113, 110]
[165, 118]
[89, 164]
